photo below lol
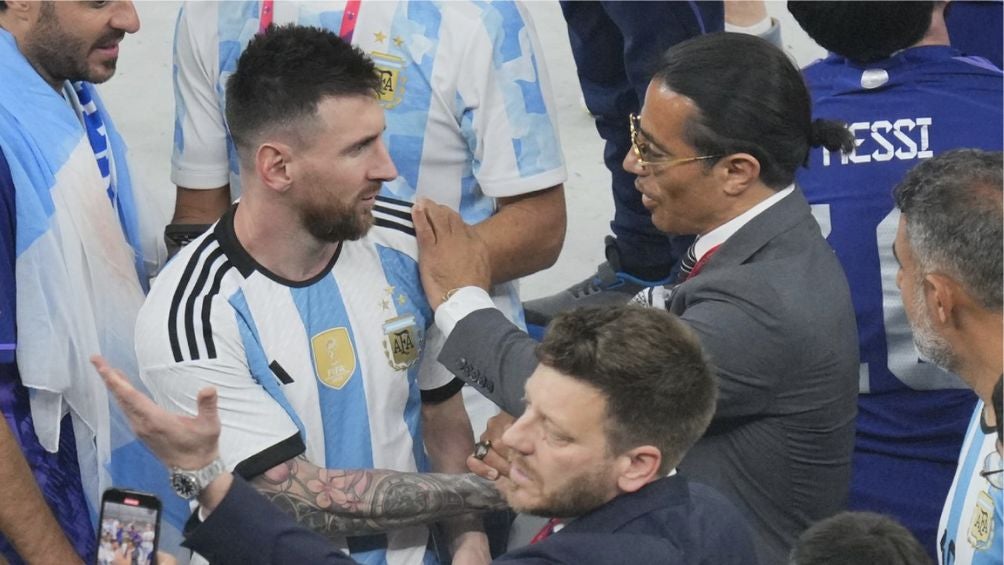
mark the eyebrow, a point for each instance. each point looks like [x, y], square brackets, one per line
[363, 142]
[648, 137]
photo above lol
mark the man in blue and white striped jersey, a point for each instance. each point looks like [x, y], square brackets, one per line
[303, 307]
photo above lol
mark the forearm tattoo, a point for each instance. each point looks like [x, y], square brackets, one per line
[340, 502]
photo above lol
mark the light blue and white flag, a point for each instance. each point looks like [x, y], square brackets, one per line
[78, 274]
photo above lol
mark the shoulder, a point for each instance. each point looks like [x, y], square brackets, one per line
[187, 308]
[392, 226]
[393, 215]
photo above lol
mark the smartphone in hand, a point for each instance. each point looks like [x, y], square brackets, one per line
[130, 526]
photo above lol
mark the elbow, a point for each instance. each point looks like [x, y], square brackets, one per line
[552, 235]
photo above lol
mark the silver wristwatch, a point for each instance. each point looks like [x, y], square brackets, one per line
[188, 484]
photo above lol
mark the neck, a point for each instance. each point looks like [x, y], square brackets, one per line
[983, 361]
[277, 241]
[17, 28]
[741, 203]
[937, 32]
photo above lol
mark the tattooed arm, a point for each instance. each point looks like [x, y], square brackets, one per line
[362, 501]
[448, 441]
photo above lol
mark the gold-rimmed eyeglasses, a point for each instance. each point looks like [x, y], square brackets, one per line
[643, 153]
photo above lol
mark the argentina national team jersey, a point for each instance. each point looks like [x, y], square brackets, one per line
[466, 94]
[335, 367]
[970, 529]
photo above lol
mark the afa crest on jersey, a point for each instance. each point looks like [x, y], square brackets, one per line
[400, 342]
[334, 357]
[981, 527]
[392, 79]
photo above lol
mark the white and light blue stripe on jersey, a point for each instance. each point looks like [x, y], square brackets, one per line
[535, 149]
[960, 514]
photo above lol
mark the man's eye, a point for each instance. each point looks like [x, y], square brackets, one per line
[559, 439]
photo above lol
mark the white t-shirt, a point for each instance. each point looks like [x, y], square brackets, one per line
[470, 115]
[335, 367]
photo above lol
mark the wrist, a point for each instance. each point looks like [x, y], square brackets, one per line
[213, 494]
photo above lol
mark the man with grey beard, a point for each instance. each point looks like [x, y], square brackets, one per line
[949, 249]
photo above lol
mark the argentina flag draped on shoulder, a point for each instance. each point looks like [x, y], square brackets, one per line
[79, 271]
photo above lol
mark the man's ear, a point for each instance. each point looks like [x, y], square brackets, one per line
[22, 11]
[637, 467]
[942, 294]
[272, 165]
[738, 172]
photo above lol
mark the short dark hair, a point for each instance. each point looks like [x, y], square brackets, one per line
[755, 103]
[954, 221]
[658, 386]
[863, 31]
[284, 73]
[853, 538]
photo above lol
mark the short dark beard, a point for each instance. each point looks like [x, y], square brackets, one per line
[60, 56]
[334, 225]
[579, 497]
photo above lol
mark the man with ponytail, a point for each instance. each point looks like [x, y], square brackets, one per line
[715, 148]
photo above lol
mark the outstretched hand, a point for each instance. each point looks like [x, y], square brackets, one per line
[450, 253]
[177, 440]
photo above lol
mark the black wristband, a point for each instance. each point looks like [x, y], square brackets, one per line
[177, 236]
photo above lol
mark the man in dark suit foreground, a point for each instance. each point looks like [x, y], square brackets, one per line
[715, 149]
[619, 396]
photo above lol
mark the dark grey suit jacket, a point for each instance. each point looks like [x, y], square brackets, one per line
[773, 312]
[669, 521]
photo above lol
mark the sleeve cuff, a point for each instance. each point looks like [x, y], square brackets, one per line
[442, 393]
[466, 300]
[200, 180]
[281, 452]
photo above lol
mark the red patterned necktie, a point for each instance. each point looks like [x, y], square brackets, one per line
[546, 531]
[692, 272]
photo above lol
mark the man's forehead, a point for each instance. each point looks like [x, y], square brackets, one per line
[901, 243]
[553, 392]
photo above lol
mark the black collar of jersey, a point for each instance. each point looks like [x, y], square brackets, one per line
[246, 264]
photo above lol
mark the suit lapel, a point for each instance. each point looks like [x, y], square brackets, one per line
[779, 218]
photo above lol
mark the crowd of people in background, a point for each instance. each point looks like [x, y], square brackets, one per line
[132, 540]
[793, 352]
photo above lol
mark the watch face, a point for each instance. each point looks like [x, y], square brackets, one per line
[185, 485]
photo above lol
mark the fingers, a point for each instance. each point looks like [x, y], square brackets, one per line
[481, 469]
[425, 232]
[207, 405]
[442, 218]
[131, 400]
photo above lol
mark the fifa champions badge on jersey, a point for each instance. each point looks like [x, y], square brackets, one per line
[401, 339]
[334, 357]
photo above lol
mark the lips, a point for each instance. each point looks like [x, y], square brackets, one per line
[109, 46]
[110, 51]
[646, 200]
[518, 473]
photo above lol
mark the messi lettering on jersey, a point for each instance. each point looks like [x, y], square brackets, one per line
[904, 139]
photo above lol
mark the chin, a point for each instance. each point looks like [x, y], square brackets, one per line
[102, 70]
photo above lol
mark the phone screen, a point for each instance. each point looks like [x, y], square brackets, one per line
[129, 525]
